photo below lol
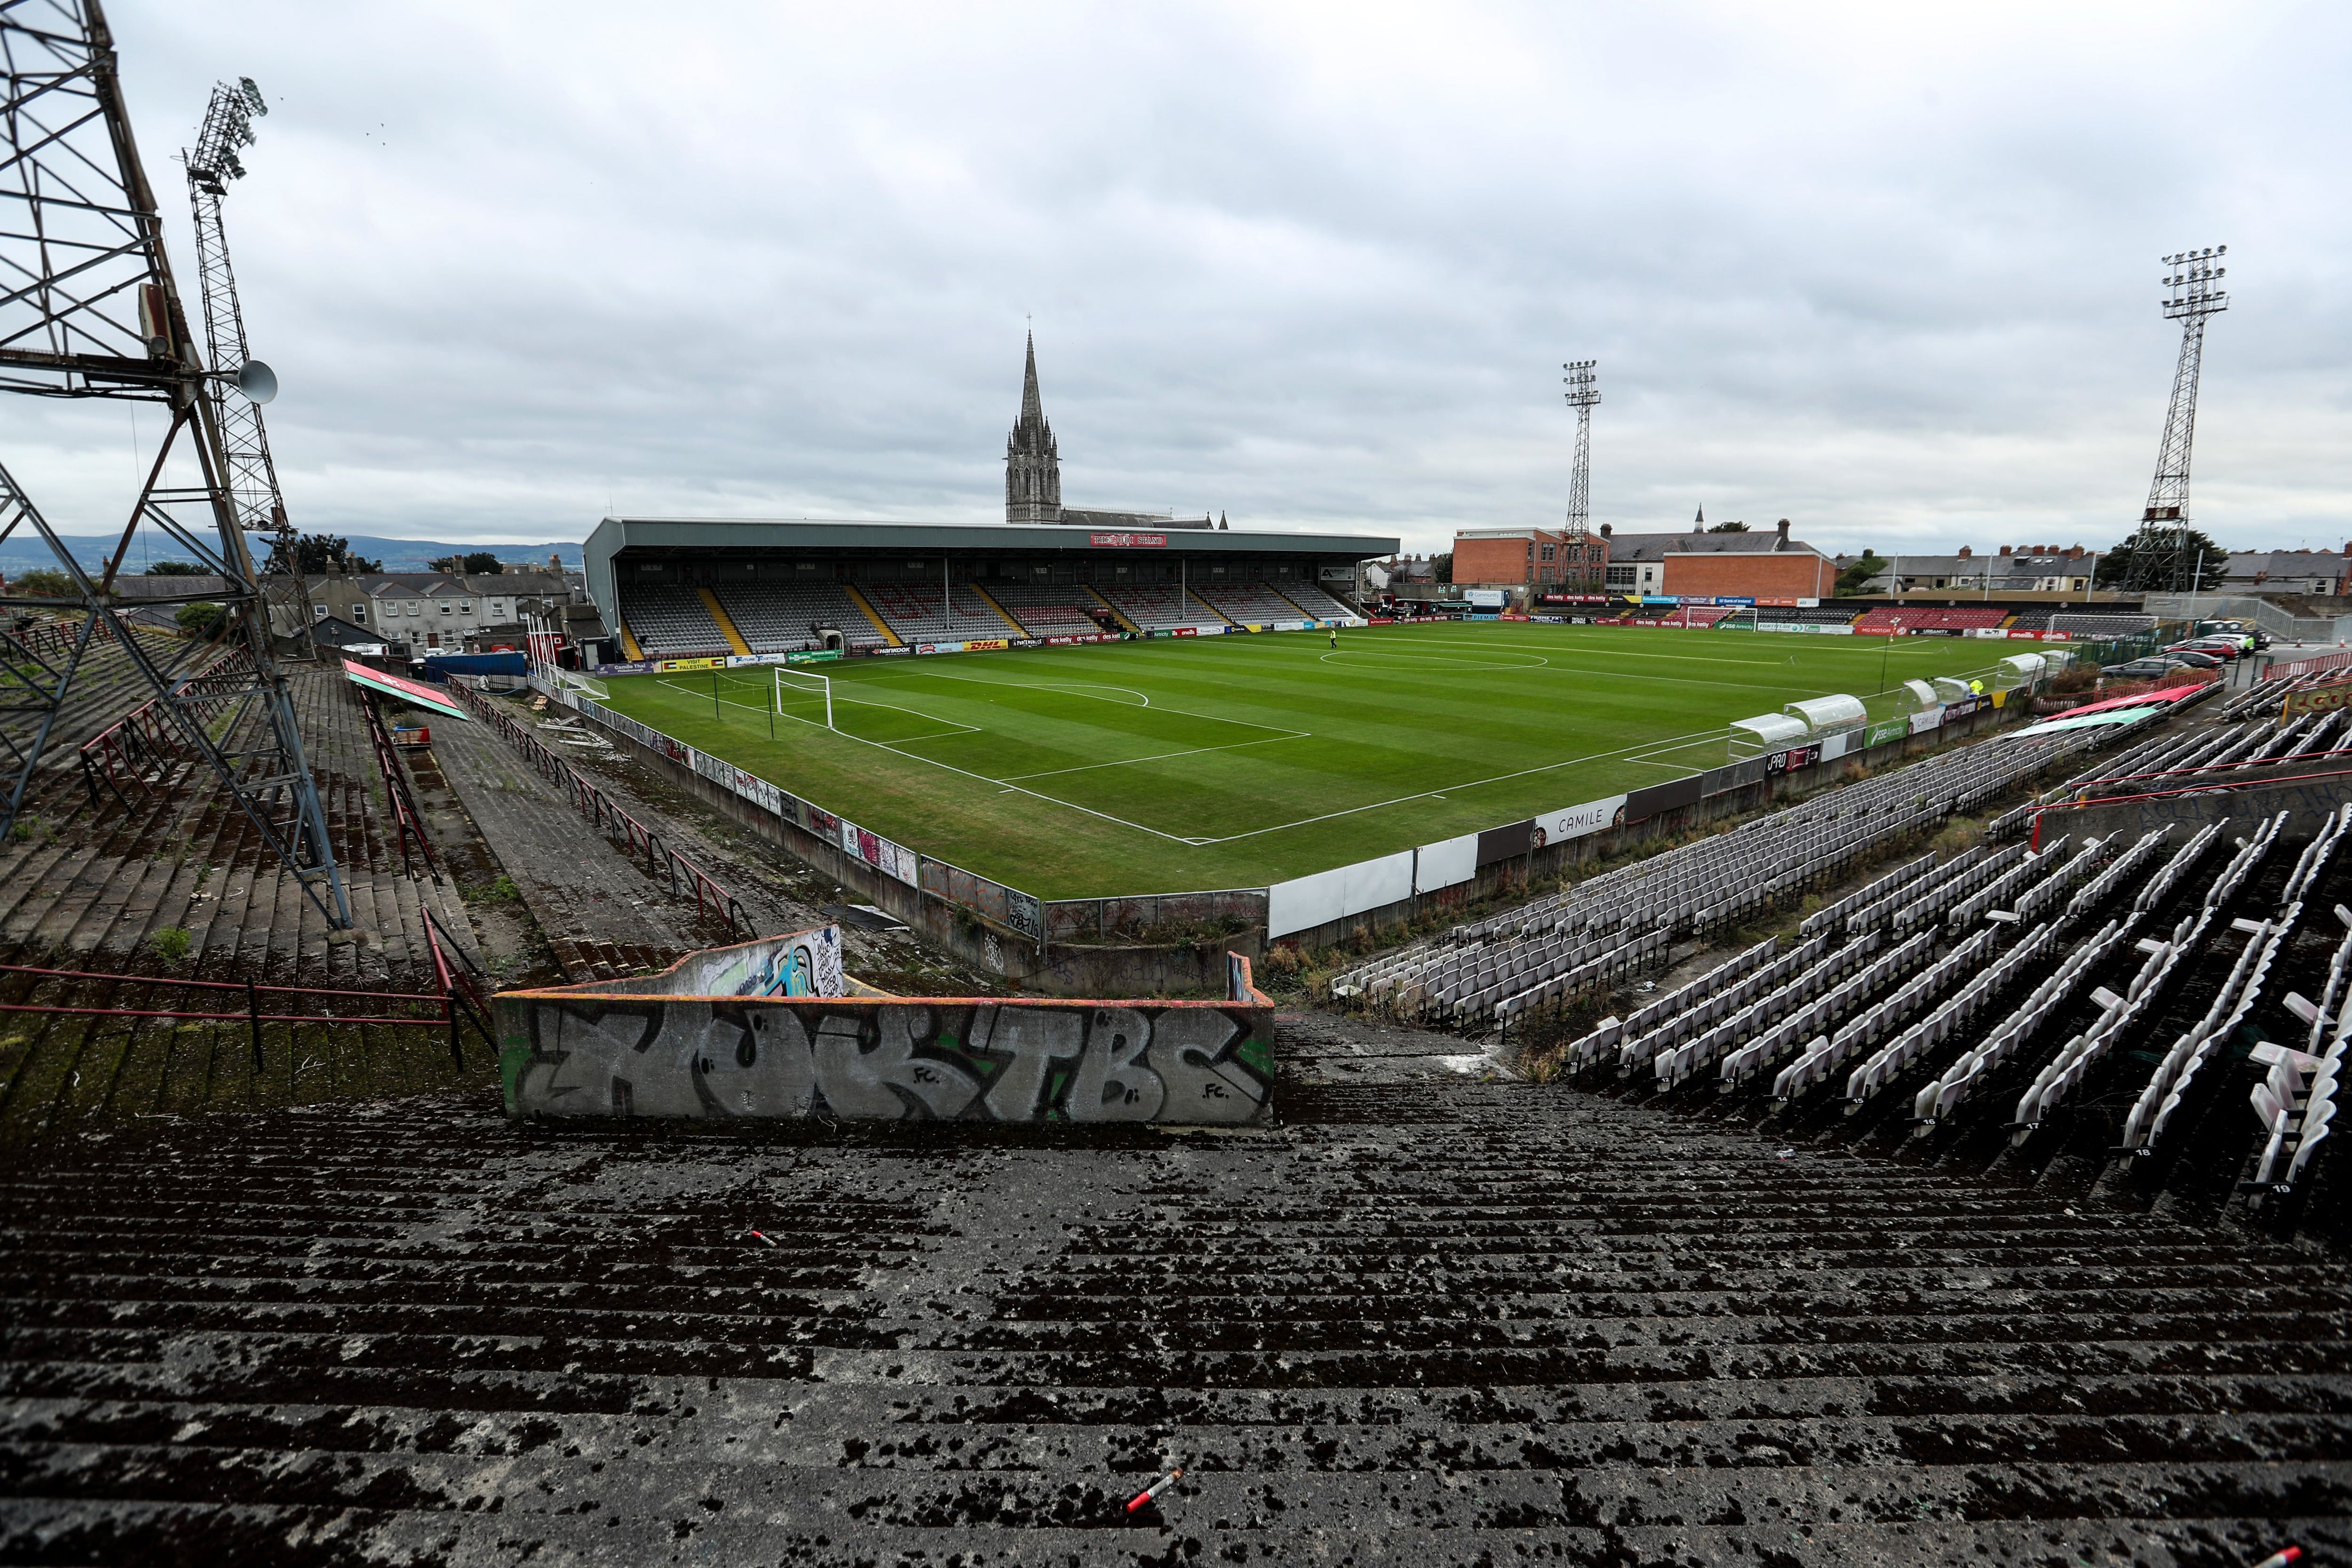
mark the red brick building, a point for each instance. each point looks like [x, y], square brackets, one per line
[1535, 558]
[1699, 565]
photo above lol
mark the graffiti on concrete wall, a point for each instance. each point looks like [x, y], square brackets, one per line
[723, 1057]
[797, 964]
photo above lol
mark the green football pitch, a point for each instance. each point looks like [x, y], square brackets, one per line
[1181, 764]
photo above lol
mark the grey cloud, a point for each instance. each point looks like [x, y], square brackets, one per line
[1891, 277]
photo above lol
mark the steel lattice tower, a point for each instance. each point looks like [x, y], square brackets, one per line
[2162, 559]
[88, 309]
[244, 438]
[1583, 395]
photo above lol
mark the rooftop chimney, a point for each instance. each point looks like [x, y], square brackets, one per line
[1604, 533]
[2005, 550]
[1965, 553]
[1782, 542]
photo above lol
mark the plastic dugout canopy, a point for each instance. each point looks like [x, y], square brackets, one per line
[1922, 694]
[2019, 669]
[1831, 715]
[1767, 733]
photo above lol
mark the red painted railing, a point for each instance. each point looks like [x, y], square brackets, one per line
[457, 1003]
[711, 900]
[406, 822]
[144, 739]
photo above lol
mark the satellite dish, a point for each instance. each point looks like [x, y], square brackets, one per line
[257, 382]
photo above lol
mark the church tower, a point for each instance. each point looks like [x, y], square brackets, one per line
[1033, 463]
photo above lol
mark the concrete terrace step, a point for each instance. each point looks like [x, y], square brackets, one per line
[1449, 1320]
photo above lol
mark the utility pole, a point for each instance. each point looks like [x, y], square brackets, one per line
[91, 310]
[2160, 548]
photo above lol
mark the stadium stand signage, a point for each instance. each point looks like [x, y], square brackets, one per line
[1127, 541]
[1576, 821]
[671, 666]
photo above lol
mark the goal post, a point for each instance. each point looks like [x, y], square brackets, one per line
[573, 680]
[803, 694]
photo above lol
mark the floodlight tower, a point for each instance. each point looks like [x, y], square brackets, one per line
[244, 439]
[87, 308]
[1583, 395]
[2162, 559]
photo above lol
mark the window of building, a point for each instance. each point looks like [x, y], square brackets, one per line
[359, 614]
[467, 607]
[320, 611]
[1547, 555]
[445, 610]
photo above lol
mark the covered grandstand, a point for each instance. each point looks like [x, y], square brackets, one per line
[678, 588]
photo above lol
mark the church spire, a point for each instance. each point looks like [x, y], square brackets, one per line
[1033, 462]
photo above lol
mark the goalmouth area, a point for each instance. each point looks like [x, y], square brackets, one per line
[1176, 764]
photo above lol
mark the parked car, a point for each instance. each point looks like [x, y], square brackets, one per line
[2218, 648]
[2149, 668]
[2196, 660]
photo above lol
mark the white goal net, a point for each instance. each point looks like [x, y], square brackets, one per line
[802, 694]
[573, 680]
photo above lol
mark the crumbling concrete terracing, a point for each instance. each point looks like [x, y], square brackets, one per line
[1433, 1323]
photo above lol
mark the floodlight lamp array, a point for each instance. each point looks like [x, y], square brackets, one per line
[1583, 385]
[2193, 285]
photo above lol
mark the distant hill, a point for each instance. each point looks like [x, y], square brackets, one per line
[24, 549]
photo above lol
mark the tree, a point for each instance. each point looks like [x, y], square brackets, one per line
[197, 618]
[176, 569]
[1854, 578]
[483, 563]
[2115, 567]
[42, 583]
[1441, 567]
[1729, 528]
[316, 554]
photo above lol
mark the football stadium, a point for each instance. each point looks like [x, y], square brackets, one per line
[1081, 714]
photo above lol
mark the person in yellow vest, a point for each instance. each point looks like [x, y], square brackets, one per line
[1335, 634]
[1976, 688]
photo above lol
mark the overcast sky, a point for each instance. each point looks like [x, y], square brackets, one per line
[1888, 271]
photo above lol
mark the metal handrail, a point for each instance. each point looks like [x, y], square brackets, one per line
[456, 1001]
[711, 900]
[140, 738]
[406, 822]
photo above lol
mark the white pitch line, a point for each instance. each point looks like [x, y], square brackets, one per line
[1432, 794]
[1164, 756]
[1047, 686]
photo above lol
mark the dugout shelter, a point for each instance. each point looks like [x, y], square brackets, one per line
[674, 588]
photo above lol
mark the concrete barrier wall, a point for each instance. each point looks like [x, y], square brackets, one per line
[571, 1052]
[1501, 877]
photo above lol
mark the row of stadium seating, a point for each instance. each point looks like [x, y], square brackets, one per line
[777, 619]
[919, 612]
[1921, 618]
[1249, 603]
[1051, 609]
[1158, 608]
[1489, 970]
[2018, 994]
[672, 622]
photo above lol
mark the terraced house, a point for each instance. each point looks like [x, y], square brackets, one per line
[432, 610]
